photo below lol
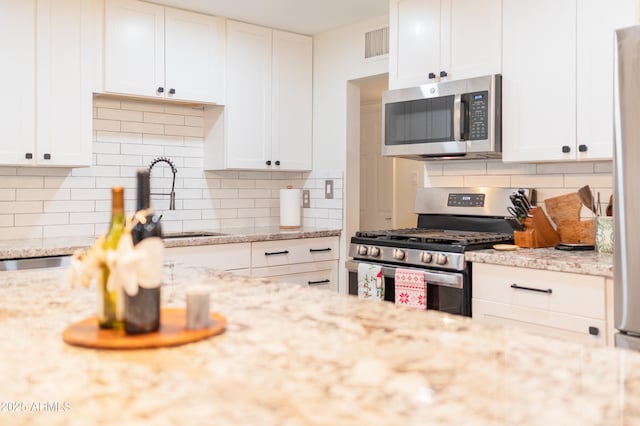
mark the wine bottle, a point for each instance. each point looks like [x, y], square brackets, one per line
[109, 311]
[142, 311]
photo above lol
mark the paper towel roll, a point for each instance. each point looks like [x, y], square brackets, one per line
[290, 208]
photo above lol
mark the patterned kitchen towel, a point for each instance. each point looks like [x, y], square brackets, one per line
[370, 282]
[411, 288]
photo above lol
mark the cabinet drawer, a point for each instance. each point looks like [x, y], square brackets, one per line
[227, 257]
[561, 292]
[318, 274]
[285, 252]
[543, 322]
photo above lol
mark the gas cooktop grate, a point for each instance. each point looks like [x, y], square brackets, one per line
[439, 236]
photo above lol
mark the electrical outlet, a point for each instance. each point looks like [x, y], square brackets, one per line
[306, 199]
[328, 189]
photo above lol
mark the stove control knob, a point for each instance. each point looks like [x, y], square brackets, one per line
[374, 251]
[426, 257]
[362, 250]
[398, 254]
[441, 259]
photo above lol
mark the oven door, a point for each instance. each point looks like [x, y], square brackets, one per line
[446, 291]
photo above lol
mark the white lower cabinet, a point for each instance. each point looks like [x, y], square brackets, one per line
[309, 261]
[557, 304]
[234, 257]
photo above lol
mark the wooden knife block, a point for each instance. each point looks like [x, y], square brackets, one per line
[538, 231]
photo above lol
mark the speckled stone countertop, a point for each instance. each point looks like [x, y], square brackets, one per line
[298, 356]
[579, 262]
[16, 249]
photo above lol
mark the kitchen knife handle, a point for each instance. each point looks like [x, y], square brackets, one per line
[537, 290]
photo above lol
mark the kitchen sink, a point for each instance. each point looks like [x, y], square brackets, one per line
[191, 234]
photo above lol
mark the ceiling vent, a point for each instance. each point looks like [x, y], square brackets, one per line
[376, 43]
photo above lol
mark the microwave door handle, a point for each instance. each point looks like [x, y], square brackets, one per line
[457, 118]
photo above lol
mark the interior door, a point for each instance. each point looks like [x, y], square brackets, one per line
[376, 173]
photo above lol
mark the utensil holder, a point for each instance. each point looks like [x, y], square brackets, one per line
[538, 231]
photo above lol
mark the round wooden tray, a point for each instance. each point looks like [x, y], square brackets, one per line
[173, 332]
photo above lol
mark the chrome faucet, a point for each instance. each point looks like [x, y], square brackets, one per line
[172, 194]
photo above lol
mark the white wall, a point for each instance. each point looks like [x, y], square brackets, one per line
[57, 202]
[338, 56]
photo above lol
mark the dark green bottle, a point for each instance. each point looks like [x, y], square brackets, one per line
[142, 311]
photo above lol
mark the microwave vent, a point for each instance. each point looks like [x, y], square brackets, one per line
[376, 43]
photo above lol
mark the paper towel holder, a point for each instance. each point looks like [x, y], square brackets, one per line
[290, 208]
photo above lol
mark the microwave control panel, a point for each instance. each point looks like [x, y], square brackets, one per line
[478, 110]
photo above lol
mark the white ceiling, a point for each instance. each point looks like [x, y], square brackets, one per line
[301, 16]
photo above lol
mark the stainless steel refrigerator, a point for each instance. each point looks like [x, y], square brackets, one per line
[626, 208]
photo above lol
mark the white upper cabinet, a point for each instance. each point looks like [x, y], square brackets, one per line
[266, 121]
[433, 40]
[160, 52]
[17, 109]
[558, 85]
[45, 116]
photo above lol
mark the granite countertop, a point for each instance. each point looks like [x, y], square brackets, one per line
[579, 262]
[298, 356]
[16, 249]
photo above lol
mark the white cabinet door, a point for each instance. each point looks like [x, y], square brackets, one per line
[248, 107]
[134, 48]
[472, 38]
[414, 42]
[17, 109]
[539, 80]
[597, 20]
[291, 101]
[194, 44]
[64, 99]
[444, 39]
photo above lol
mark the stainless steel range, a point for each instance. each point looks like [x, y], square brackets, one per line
[450, 222]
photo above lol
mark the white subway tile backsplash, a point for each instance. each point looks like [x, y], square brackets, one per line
[19, 207]
[603, 167]
[118, 160]
[7, 194]
[145, 106]
[184, 110]
[465, 168]
[22, 182]
[184, 151]
[119, 114]
[132, 149]
[193, 121]
[108, 125]
[42, 194]
[236, 203]
[22, 232]
[69, 206]
[8, 171]
[101, 102]
[69, 182]
[134, 127]
[106, 148]
[43, 171]
[153, 117]
[538, 181]
[564, 168]
[499, 168]
[6, 220]
[92, 194]
[220, 214]
[497, 181]
[594, 181]
[446, 181]
[183, 131]
[254, 212]
[55, 231]
[42, 219]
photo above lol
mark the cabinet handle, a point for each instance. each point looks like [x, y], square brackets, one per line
[47, 156]
[268, 162]
[431, 76]
[277, 162]
[318, 282]
[582, 148]
[566, 148]
[594, 331]
[172, 91]
[28, 155]
[160, 89]
[318, 250]
[537, 290]
[273, 253]
[443, 73]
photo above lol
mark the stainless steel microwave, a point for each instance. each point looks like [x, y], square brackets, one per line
[458, 119]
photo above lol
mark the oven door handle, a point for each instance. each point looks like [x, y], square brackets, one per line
[445, 279]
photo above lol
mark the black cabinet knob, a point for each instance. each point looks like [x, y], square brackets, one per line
[277, 162]
[443, 73]
[28, 155]
[431, 76]
[582, 148]
[172, 91]
[268, 162]
[47, 156]
[594, 331]
[566, 148]
[160, 89]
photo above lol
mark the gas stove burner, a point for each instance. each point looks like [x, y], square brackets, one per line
[439, 236]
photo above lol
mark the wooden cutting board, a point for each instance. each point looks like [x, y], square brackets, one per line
[173, 332]
[564, 210]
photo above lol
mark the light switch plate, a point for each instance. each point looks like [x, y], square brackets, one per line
[306, 199]
[328, 189]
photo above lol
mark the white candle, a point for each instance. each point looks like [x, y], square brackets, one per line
[198, 314]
